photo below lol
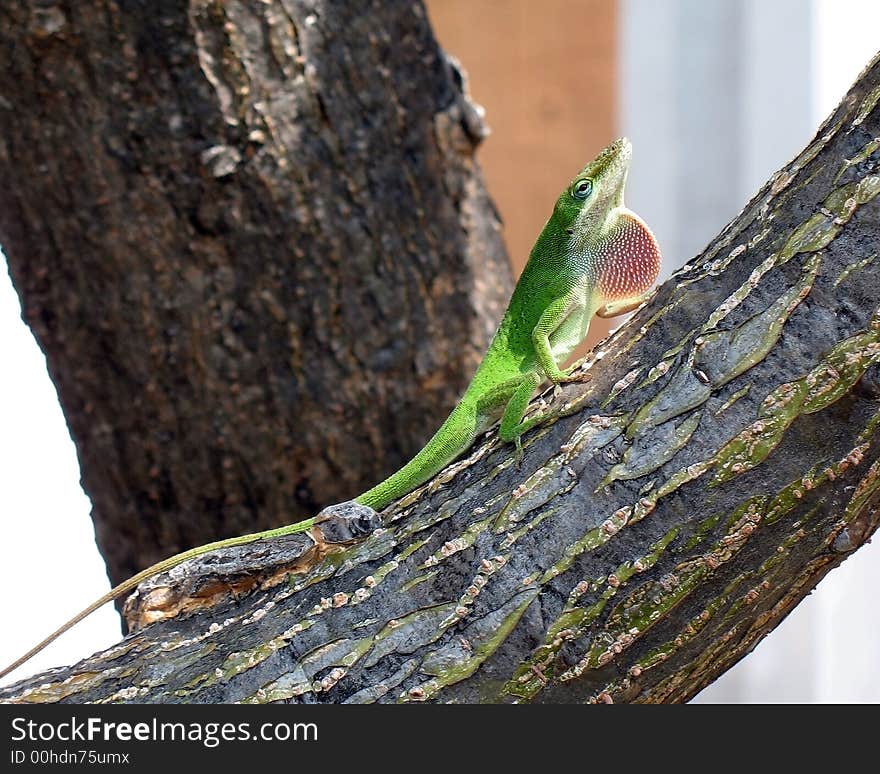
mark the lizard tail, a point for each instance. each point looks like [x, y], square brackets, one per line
[455, 435]
[163, 566]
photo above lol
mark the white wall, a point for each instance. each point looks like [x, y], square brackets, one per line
[49, 565]
[716, 96]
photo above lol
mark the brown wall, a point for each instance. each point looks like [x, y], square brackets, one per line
[545, 70]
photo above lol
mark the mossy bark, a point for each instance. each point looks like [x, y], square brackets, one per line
[240, 231]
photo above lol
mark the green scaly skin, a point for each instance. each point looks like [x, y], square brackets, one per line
[592, 257]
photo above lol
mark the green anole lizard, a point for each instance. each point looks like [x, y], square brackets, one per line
[594, 256]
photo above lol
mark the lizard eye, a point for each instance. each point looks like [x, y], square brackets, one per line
[582, 189]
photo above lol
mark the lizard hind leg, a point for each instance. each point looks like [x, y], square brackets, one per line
[512, 423]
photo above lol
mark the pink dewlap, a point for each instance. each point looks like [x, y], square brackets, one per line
[629, 261]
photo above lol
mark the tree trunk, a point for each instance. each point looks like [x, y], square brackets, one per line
[722, 460]
[240, 231]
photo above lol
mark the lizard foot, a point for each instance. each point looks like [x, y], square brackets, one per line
[348, 521]
[576, 376]
[519, 450]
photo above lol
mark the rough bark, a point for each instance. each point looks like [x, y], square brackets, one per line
[722, 460]
[238, 231]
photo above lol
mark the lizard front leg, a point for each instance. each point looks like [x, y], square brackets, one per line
[622, 306]
[550, 326]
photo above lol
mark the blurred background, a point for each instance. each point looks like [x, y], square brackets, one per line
[716, 95]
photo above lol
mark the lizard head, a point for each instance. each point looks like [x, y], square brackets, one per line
[595, 193]
[602, 232]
